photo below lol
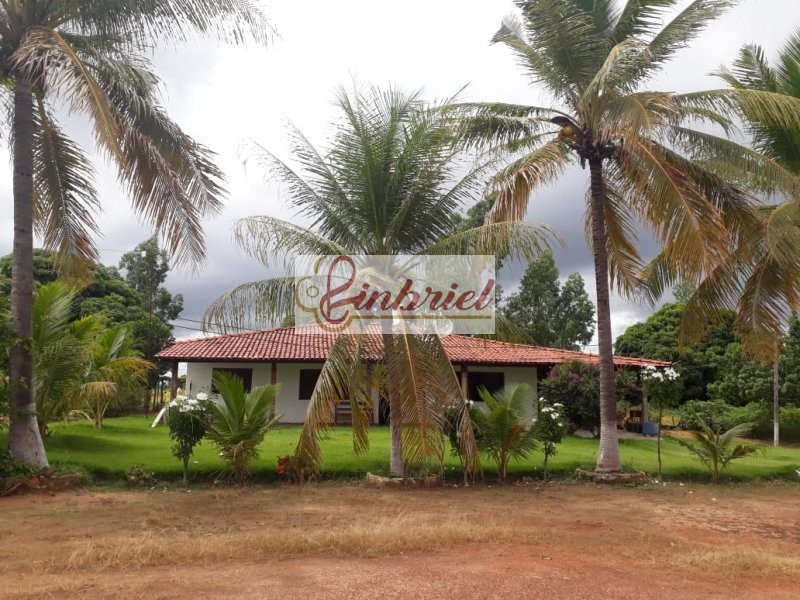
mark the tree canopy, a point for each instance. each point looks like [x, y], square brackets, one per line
[550, 313]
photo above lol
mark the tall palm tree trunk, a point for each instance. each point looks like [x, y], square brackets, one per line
[608, 456]
[396, 465]
[24, 440]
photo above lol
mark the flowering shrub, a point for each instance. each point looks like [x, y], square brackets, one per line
[186, 419]
[293, 469]
[576, 385]
[664, 388]
[549, 428]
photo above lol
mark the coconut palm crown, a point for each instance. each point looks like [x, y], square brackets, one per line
[653, 160]
[766, 269]
[389, 183]
[91, 56]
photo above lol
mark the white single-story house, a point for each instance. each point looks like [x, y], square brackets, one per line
[294, 360]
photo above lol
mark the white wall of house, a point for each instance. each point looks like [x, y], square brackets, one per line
[513, 375]
[198, 378]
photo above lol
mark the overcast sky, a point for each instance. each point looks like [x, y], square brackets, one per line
[226, 96]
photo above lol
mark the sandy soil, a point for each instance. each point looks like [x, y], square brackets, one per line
[339, 541]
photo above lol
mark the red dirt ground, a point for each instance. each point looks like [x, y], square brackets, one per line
[350, 541]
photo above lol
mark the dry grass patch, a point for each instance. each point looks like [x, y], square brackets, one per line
[364, 538]
[738, 561]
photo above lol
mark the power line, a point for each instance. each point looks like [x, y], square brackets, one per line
[203, 323]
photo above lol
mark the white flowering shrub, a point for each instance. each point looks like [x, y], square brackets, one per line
[550, 427]
[663, 386]
[186, 419]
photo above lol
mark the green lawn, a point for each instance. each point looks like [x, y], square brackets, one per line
[128, 441]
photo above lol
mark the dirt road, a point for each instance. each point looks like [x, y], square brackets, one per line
[340, 541]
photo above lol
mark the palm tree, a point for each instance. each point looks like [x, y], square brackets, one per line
[114, 369]
[769, 268]
[89, 55]
[62, 347]
[505, 431]
[649, 164]
[238, 425]
[389, 184]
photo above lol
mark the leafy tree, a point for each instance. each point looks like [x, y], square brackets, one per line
[239, 424]
[650, 160]
[106, 297]
[740, 380]
[551, 314]
[146, 268]
[388, 184]
[715, 448]
[790, 365]
[89, 55]
[505, 430]
[698, 364]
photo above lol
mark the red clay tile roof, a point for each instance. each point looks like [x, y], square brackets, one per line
[285, 345]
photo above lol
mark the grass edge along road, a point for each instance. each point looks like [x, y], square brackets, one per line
[128, 441]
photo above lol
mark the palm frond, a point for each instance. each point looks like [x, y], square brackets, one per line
[232, 21]
[517, 239]
[532, 59]
[568, 39]
[498, 124]
[253, 305]
[514, 184]
[641, 19]
[689, 226]
[770, 108]
[685, 27]
[65, 199]
[640, 114]
[420, 377]
[46, 58]
[624, 261]
[615, 77]
[316, 191]
[172, 179]
[264, 237]
[343, 377]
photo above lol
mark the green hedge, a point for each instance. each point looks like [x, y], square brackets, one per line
[725, 416]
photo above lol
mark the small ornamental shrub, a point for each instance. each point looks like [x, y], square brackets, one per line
[453, 423]
[186, 419]
[715, 413]
[9, 468]
[550, 428]
[139, 476]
